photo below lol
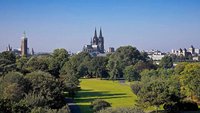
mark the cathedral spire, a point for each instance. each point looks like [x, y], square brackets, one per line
[24, 34]
[95, 32]
[100, 35]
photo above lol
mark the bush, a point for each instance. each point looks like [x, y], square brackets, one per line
[64, 109]
[136, 87]
[99, 104]
[121, 110]
[181, 106]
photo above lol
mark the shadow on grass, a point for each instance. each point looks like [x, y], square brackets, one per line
[91, 93]
[87, 96]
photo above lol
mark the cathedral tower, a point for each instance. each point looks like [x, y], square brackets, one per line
[24, 45]
[101, 42]
[95, 38]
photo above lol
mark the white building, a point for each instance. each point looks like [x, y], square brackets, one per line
[155, 55]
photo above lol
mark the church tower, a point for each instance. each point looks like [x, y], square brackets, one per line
[95, 38]
[101, 42]
[24, 45]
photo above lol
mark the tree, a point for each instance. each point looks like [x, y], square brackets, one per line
[97, 67]
[135, 87]
[37, 63]
[141, 65]
[158, 91]
[179, 68]
[6, 66]
[131, 73]
[124, 56]
[51, 88]
[166, 62]
[15, 78]
[190, 79]
[21, 64]
[99, 104]
[71, 84]
[7, 62]
[153, 93]
[57, 60]
[13, 88]
[64, 109]
[77, 65]
[8, 55]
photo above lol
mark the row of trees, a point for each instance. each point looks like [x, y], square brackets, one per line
[176, 88]
[154, 85]
[35, 84]
[127, 62]
[33, 92]
[124, 63]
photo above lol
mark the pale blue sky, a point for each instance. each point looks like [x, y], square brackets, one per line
[145, 24]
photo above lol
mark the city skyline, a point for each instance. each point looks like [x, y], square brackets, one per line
[152, 24]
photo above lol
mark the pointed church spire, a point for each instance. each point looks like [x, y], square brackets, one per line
[24, 34]
[100, 35]
[95, 32]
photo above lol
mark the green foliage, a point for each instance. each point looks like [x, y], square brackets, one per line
[124, 56]
[131, 73]
[37, 63]
[37, 89]
[99, 104]
[77, 65]
[70, 83]
[158, 91]
[180, 68]
[153, 93]
[166, 62]
[191, 79]
[46, 85]
[57, 60]
[34, 100]
[135, 87]
[8, 56]
[13, 92]
[7, 62]
[141, 65]
[121, 110]
[14, 86]
[97, 67]
[64, 109]
[21, 64]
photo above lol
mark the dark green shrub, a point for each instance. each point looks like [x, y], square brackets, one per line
[181, 106]
[99, 104]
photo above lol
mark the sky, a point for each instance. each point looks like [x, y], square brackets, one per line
[70, 24]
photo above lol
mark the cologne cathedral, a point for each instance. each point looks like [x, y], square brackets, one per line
[96, 45]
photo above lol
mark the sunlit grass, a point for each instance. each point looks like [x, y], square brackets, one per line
[119, 95]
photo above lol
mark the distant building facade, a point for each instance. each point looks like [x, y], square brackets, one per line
[155, 55]
[191, 54]
[96, 45]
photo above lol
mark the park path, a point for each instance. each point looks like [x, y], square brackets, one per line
[74, 108]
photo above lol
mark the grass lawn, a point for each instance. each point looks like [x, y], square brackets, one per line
[119, 95]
